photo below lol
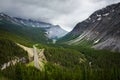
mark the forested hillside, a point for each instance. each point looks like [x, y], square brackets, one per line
[10, 51]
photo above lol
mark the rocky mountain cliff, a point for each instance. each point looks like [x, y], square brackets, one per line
[102, 28]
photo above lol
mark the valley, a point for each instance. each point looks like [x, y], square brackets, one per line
[37, 50]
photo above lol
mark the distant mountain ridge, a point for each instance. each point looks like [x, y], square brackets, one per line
[49, 28]
[102, 28]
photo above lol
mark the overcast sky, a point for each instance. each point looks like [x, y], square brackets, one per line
[66, 13]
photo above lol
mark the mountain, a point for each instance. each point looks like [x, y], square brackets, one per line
[102, 29]
[17, 32]
[61, 61]
[53, 31]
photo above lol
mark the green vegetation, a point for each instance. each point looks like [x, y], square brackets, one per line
[15, 38]
[64, 62]
[26, 34]
[54, 72]
[9, 51]
[64, 57]
[99, 58]
[67, 37]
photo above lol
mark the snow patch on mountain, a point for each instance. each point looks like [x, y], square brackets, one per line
[99, 18]
[106, 14]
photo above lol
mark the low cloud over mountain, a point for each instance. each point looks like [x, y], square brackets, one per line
[66, 13]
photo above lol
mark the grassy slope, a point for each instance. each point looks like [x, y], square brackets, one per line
[15, 38]
[26, 34]
[67, 37]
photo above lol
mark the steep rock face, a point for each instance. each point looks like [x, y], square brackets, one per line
[80, 27]
[78, 30]
[102, 27]
[55, 32]
[112, 44]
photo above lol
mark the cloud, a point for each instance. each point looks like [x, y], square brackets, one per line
[66, 13]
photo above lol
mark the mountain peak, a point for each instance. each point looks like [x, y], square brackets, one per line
[101, 27]
[3, 14]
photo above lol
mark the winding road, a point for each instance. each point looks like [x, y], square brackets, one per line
[37, 54]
